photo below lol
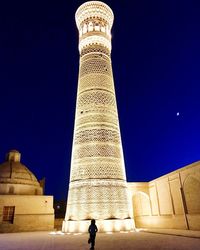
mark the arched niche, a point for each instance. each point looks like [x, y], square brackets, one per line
[97, 27]
[90, 26]
[84, 28]
[103, 29]
[191, 190]
[141, 204]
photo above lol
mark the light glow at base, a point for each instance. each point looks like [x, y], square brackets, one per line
[115, 225]
[52, 233]
[56, 233]
[139, 230]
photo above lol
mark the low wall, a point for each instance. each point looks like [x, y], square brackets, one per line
[167, 222]
[31, 213]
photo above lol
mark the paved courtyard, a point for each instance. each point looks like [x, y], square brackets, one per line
[131, 240]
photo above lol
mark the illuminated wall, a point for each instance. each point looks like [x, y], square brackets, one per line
[97, 186]
[30, 213]
[23, 207]
[171, 201]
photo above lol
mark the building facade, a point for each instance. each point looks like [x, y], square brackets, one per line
[171, 201]
[23, 207]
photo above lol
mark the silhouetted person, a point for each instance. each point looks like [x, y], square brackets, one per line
[92, 231]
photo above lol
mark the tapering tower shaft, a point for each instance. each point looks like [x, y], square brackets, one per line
[97, 180]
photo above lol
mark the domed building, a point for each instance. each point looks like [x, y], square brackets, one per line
[16, 178]
[23, 207]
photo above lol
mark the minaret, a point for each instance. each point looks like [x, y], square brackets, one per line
[97, 188]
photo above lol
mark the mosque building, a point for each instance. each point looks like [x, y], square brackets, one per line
[23, 206]
[171, 201]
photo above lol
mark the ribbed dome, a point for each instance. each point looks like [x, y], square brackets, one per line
[13, 172]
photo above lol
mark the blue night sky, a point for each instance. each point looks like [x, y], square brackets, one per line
[156, 64]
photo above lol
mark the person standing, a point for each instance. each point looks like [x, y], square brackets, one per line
[92, 231]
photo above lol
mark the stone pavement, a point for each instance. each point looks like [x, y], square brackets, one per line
[121, 241]
[177, 232]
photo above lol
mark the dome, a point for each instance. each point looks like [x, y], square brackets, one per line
[16, 178]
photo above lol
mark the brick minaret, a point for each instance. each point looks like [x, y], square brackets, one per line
[97, 186]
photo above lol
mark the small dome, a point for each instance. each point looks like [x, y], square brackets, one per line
[16, 178]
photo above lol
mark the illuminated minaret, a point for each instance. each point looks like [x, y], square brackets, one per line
[97, 186]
